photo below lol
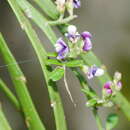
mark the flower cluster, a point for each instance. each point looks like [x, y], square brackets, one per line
[80, 43]
[77, 43]
[69, 4]
[110, 88]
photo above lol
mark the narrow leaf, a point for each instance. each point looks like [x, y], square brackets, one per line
[57, 74]
[74, 63]
[54, 62]
[91, 102]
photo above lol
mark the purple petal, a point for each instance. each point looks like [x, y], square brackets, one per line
[86, 34]
[61, 48]
[63, 54]
[87, 44]
[91, 72]
[76, 3]
[119, 85]
[109, 91]
[107, 85]
[72, 37]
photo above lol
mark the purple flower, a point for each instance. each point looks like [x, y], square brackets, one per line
[72, 34]
[76, 3]
[61, 48]
[87, 41]
[94, 71]
[107, 88]
[108, 85]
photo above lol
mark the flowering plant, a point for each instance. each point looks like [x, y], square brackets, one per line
[73, 51]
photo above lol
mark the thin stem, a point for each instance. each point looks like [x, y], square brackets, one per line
[62, 21]
[9, 94]
[84, 85]
[42, 56]
[67, 87]
[98, 120]
[31, 116]
[4, 125]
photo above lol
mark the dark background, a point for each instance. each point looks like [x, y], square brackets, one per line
[109, 22]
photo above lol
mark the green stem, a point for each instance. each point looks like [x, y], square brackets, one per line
[98, 120]
[62, 21]
[9, 94]
[4, 125]
[42, 56]
[48, 7]
[32, 119]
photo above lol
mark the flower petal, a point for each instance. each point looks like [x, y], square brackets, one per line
[87, 44]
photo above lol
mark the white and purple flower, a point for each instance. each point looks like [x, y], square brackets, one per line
[94, 71]
[76, 3]
[72, 34]
[87, 41]
[61, 48]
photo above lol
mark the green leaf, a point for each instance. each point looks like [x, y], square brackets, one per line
[57, 74]
[112, 121]
[54, 62]
[91, 103]
[51, 54]
[74, 63]
[89, 93]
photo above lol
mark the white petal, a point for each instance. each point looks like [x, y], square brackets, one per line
[99, 72]
[72, 29]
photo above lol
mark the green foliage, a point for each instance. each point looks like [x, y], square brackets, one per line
[112, 121]
[71, 63]
[57, 74]
[4, 125]
[91, 102]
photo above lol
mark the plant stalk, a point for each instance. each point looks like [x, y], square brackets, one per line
[42, 56]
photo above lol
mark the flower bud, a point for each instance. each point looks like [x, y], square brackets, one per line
[87, 45]
[107, 90]
[60, 5]
[117, 76]
[118, 86]
[86, 34]
[72, 29]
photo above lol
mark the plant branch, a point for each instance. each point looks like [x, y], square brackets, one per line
[31, 116]
[62, 21]
[9, 94]
[42, 56]
[4, 125]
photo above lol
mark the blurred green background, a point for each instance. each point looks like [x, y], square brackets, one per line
[109, 22]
